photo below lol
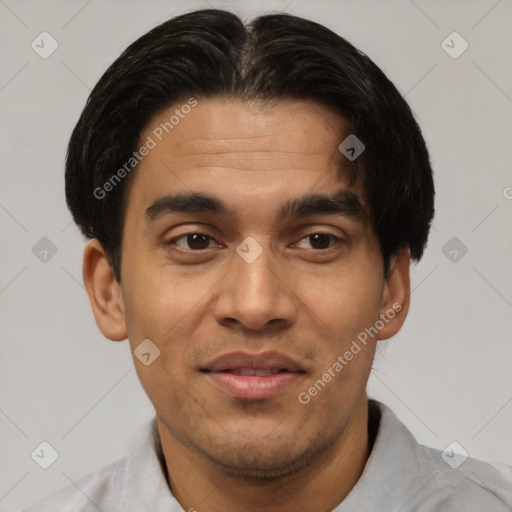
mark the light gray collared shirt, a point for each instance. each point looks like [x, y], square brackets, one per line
[400, 476]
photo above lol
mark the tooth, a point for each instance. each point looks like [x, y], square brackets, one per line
[246, 372]
[263, 372]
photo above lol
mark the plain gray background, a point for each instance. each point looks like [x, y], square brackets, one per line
[446, 375]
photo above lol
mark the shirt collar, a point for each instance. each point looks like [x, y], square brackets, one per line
[144, 483]
[396, 470]
[393, 458]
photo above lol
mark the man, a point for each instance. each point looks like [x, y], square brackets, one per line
[253, 195]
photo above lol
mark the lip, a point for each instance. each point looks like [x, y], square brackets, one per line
[277, 373]
[241, 359]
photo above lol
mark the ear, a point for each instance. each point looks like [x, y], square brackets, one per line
[104, 292]
[396, 295]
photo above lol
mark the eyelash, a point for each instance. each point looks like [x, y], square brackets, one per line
[184, 235]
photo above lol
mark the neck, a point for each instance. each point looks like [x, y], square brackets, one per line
[197, 483]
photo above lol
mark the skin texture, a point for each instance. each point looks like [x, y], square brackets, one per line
[301, 299]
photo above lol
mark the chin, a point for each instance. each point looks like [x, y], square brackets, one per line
[261, 462]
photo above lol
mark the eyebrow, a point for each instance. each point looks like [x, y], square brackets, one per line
[342, 203]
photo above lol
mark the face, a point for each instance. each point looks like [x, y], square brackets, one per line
[248, 260]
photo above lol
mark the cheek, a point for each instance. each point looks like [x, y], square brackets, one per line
[158, 309]
[167, 307]
[346, 302]
[343, 309]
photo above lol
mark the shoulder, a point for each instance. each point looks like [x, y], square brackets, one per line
[474, 486]
[418, 478]
[134, 482]
[98, 490]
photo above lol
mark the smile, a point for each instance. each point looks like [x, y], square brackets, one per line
[253, 377]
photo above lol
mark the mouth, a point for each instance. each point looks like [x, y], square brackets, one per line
[250, 377]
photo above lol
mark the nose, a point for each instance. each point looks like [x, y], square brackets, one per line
[256, 296]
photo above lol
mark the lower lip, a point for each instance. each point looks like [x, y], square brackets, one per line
[254, 387]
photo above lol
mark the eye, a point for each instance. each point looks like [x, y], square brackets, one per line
[195, 241]
[320, 241]
[199, 241]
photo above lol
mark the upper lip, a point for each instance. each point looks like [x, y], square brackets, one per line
[263, 360]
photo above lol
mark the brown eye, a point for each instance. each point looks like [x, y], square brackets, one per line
[194, 241]
[320, 241]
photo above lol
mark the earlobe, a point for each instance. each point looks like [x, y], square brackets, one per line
[104, 292]
[396, 294]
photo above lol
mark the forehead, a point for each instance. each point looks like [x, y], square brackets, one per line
[243, 148]
[251, 126]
